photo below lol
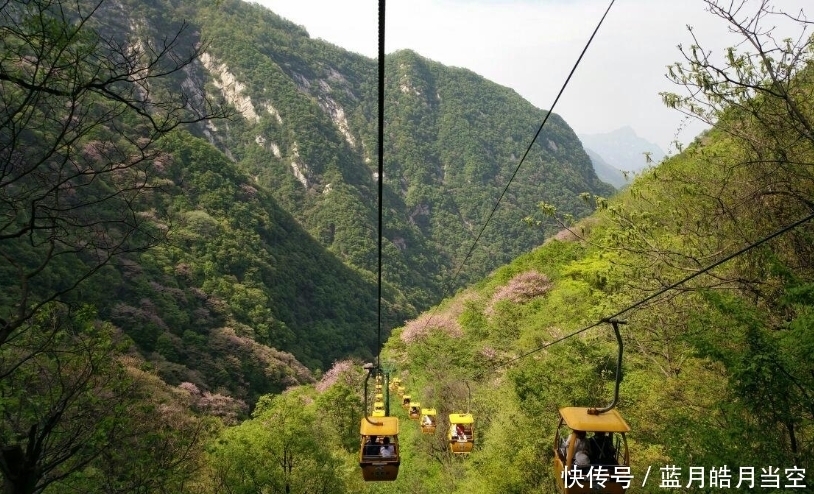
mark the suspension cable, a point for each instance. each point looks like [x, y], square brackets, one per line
[531, 144]
[380, 185]
[523, 158]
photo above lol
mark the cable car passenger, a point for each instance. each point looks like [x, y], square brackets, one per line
[581, 444]
[372, 448]
[458, 432]
[387, 450]
[601, 448]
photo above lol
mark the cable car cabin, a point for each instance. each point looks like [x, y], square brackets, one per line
[590, 452]
[379, 454]
[428, 422]
[378, 409]
[401, 390]
[378, 397]
[378, 389]
[414, 412]
[405, 402]
[395, 383]
[461, 433]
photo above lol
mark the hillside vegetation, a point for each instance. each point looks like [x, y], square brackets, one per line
[452, 140]
[717, 374]
[188, 218]
[188, 261]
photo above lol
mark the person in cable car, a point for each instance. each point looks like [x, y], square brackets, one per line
[601, 449]
[372, 448]
[387, 450]
[426, 420]
[458, 432]
[581, 443]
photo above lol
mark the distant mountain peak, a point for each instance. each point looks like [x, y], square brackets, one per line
[623, 148]
[627, 130]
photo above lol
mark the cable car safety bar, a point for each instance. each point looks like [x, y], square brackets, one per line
[596, 411]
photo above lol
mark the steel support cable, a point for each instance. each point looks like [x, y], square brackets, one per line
[380, 185]
[528, 150]
[656, 294]
[533, 140]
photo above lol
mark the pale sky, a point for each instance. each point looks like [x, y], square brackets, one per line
[531, 45]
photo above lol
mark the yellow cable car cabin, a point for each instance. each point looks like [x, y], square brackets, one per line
[414, 412]
[378, 397]
[379, 451]
[401, 390]
[592, 451]
[378, 409]
[405, 402]
[428, 420]
[461, 433]
[395, 383]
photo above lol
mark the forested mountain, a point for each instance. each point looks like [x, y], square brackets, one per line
[716, 371]
[187, 236]
[188, 204]
[303, 128]
[452, 141]
[608, 173]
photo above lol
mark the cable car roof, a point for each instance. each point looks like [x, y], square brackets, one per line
[428, 411]
[577, 418]
[381, 426]
[461, 418]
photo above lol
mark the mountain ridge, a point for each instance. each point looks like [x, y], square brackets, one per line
[623, 149]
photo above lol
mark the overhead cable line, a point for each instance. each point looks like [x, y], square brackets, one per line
[528, 150]
[658, 293]
[380, 186]
[533, 140]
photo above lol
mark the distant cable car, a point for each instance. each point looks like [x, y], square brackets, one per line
[405, 402]
[395, 383]
[379, 454]
[428, 420]
[461, 435]
[401, 390]
[414, 412]
[378, 409]
[596, 446]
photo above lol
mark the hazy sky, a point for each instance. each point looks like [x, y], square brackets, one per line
[531, 45]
